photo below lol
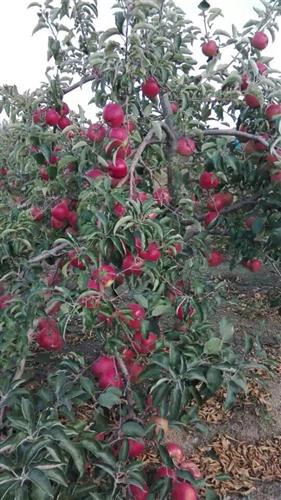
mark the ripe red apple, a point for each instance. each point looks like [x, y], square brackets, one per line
[164, 471]
[209, 48]
[52, 117]
[174, 107]
[219, 200]
[253, 265]
[96, 132]
[128, 355]
[118, 137]
[214, 259]
[272, 111]
[252, 101]
[183, 491]
[192, 468]
[140, 196]
[276, 177]
[185, 146]
[208, 180]
[103, 364]
[113, 114]
[258, 146]
[74, 260]
[138, 493]
[261, 67]
[137, 314]
[94, 172]
[118, 209]
[5, 300]
[130, 126]
[109, 380]
[43, 174]
[150, 87]
[152, 253]
[123, 152]
[144, 345]
[244, 82]
[273, 158]
[209, 217]
[64, 109]
[136, 447]
[162, 196]
[104, 276]
[36, 214]
[64, 122]
[56, 223]
[175, 451]
[48, 337]
[135, 369]
[60, 211]
[72, 218]
[131, 265]
[118, 169]
[38, 115]
[259, 40]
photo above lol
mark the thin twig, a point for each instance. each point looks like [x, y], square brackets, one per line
[128, 388]
[85, 79]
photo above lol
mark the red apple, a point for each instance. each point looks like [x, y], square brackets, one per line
[192, 468]
[94, 172]
[174, 107]
[96, 132]
[56, 223]
[272, 111]
[135, 369]
[52, 117]
[137, 314]
[150, 88]
[64, 109]
[48, 337]
[108, 380]
[164, 471]
[118, 137]
[60, 211]
[152, 253]
[162, 196]
[103, 364]
[113, 114]
[104, 276]
[175, 451]
[209, 217]
[131, 265]
[185, 146]
[252, 101]
[144, 345]
[219, 200]
[259, 40]
[36, 214]
[136, 448]
[5, 300]
[64, 122]
[43, 174]
[244, 82]
[123, 152]
[118, 209]
[138, 493]
[214, 259]
[208, 180]
[261, 67]
[209, 48]
[118, 169]
[183, 491]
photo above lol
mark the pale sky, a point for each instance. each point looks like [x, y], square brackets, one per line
[23, 57]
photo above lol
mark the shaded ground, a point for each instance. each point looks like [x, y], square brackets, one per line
[240, 452]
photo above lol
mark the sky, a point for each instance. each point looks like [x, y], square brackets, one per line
[23, 57]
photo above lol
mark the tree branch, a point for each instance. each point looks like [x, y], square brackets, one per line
[48, 253]
[136, 159]
[235, 133]
[85, 79]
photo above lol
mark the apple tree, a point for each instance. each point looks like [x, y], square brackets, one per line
[107, 230]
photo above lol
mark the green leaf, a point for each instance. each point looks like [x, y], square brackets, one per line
[42, 481]
[73, 451]
[133, 429]
[110, 398]
[98, 451]
[211, 495]
[161, 309]
[226, 330]
[213, 346]
[214, 379]
[204, 5]
[119, 21]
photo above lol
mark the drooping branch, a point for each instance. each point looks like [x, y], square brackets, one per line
[235, 133]
[136, 159]
[85, 79]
